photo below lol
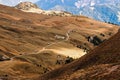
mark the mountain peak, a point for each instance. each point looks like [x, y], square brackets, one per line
[26, 6]
[31, 7]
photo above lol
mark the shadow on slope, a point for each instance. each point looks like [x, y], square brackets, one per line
[107, 55]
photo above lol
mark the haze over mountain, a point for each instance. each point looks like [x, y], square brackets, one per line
[74, 3]
[103, 10]
[14, 2]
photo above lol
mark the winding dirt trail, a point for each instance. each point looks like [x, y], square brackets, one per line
[73, 52]
[67, 38]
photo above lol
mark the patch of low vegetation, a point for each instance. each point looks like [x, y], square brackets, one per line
[4, 58]
[68, 60]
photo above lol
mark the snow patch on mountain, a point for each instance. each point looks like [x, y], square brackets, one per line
[78, 4]
[58, 8]
[92, 8]
[118, 16]
[62, 1]
[92, 4]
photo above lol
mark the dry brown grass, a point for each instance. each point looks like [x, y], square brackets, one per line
[22, 35]
[101, 63]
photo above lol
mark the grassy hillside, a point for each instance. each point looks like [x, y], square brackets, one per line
[33, 44]
[101, 63]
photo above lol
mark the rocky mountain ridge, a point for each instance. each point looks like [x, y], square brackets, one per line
[30, 7]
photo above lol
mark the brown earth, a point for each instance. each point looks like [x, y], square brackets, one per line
[33, 44]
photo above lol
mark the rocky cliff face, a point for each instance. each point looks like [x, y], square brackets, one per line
[30, 7]
[26, 6]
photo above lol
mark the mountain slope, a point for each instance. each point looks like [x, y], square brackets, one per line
[41, 30]
[101, 63]
[105, 13]
[32, 44]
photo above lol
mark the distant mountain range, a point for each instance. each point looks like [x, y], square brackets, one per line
[103, 10]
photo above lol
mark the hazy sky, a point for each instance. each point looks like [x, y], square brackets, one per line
[14, 2]
[77, 3]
